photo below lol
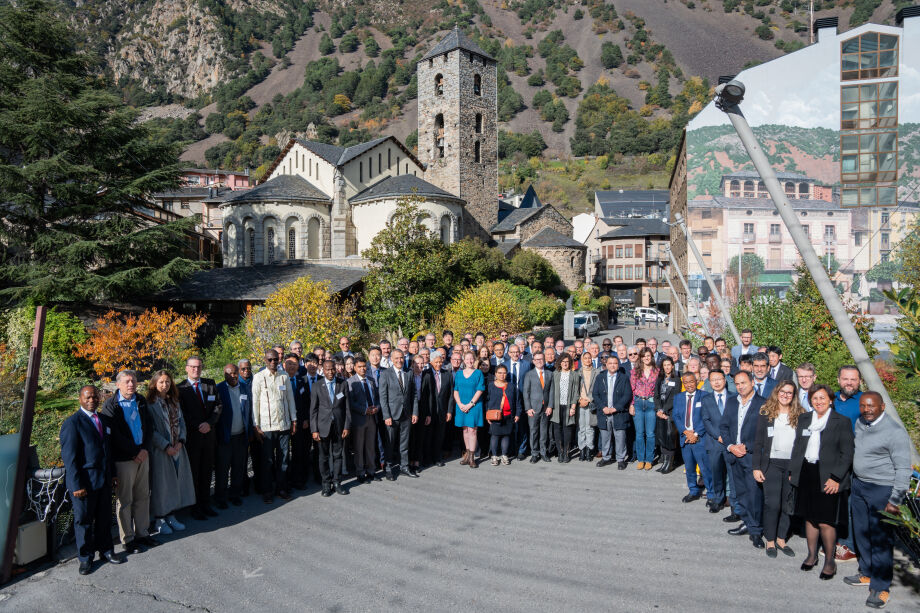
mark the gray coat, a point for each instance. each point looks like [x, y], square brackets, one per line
[561, 405]
[171, 485]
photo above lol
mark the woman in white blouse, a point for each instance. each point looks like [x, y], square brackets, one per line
[772, 451]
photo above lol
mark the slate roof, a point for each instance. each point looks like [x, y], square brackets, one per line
[507, 247]
[183, 192]
[515, 218]
[722, 202]
[330, 153]
[548, 237]
[282, 187]
[625, 203]
[530, 199]
[640, 227]
[456, 40]
[402, 185]
[355, 150]
[255, 283]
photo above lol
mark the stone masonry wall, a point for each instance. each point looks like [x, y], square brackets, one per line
[562, 260]
[548, 217]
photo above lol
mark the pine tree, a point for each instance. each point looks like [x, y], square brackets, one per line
[74, 167]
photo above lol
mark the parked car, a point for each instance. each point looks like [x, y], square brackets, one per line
[650, 314]
[587, 324]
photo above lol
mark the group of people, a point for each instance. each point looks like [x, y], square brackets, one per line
[770, 444]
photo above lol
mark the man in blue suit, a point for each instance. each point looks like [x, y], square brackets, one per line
[713, 408]
[301, 441]
[89, 476]
[688, 417]
[763, 382]
[518, 367]
[738, 430]
[234, 427]
[498, 357]
[612, 397]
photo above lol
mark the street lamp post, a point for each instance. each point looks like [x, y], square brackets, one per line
[729, 96]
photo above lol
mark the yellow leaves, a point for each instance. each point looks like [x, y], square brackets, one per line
[343, 101]
[696, 107]
[488, 307]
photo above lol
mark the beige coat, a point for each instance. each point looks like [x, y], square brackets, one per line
[273, 407]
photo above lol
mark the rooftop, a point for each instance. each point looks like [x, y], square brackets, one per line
[456, 39]
[515, 218]
[640, 228]
[631, 203]
[402, 185]
[548, 237]
[215, 171]
[282, 187]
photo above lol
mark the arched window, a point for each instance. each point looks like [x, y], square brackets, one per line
[478, 123]
[313, 239]
[477, 85]
[804, 191]
[761, 189]
[445, 230]
[477, 152]
[572, 264]
[252, 246]
[439, 84]
[270, 246]
[790, 188]
[734, 189]
[439, 135]
[292, 244]
[748, 189]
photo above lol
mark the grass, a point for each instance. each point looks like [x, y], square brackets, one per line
[51, 409]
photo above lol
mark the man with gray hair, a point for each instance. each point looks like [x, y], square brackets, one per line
[201, 407]
[126, 416]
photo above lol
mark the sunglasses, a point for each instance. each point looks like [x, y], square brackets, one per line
[271, 359]
[632, 354]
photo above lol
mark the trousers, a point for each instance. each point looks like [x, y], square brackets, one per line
[363, 443]
[398, 444]
[200, 448]
[275, 447]
[585, 430]
[695, 456]
[231, 458]
[776, 489]
[133, 499]
[874, 539]
[539, 433]
[749, 495]
[92, 522]
[612, 440]
[331, 455]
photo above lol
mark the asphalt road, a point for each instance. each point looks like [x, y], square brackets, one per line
[549, 537]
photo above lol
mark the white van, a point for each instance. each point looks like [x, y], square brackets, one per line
[650, 314]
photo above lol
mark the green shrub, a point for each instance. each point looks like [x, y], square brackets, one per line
[490, 308]
[230, 346]
[533, 270]
[59, 369]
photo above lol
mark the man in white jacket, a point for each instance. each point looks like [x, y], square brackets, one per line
[273, 417]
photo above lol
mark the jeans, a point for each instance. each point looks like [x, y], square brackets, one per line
[275, 447]
[874, 538]
[644, 420]
[585, 430]
[695, 455]
[500, 444]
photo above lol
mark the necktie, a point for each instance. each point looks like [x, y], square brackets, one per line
[331, 387]
[540, 374]
[688, 418]
[721, 405]
[437, 382]
[198, 391]
[98, 424]
[367, 392]
[399, 377]
[514, 373]
[760, 389]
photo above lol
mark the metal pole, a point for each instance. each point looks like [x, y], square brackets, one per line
[680, 276]
[823, 282]
[712, 284]
[679, 305]
[25, 438]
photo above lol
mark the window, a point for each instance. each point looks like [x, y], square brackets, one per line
[857, 238]
[774, 229]
[445, 230]
[638, 272]
[478, 123]
[748, 228]
[370, 167]
[748, 189]
[638, 250]
[629, 251]
[379, 163]
[706, 213]
[869, 196]
[389, 161]
[885, 239]
[761, 189]
[310, 165]
[270, 239]
[439, 84]
[397, 165]
[619, 273]
[168, 205]
[438, 136]
[619, 252]
[361, 172]
[804, 191]
[869, 56]
[829, 233]
[477, 152]
[884, 218]
[185, 205]
[885, 256]
[252, 246]
[477, 85]
[734, 189]
[805, 227]
[610, 272]
[628, 270]
[874, 105]
[790, 189]
[292, 244]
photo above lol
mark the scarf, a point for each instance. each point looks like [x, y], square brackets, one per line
[814, 439]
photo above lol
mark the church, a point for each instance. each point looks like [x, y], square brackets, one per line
[324, 203]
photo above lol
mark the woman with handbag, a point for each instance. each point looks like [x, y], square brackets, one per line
[666, 386]
[820, 469]
[502, 412]
[587, 412]
[566, 384]
[776, 426]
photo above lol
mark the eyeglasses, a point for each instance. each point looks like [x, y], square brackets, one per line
[785, 393]
[632, 353]
[271, 359]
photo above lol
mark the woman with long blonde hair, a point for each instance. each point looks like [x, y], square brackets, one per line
[776, 425]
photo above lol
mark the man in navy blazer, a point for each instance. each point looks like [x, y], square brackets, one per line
[234, 427]
[364, 404]
[499, 356]
[763, 382]
[687, 415]
[612, 396]
[301, 441]
[518, 367]
[89, 475]
[739, 431]
[714, 404]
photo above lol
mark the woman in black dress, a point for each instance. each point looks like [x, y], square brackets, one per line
[820, 470]
[500, 399]
[667, 385]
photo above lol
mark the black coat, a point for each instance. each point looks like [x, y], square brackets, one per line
[666, 403]
[322, 412]
[196, 412]
[835, 456]
[122, 441]
[301, 389]
[494, 402]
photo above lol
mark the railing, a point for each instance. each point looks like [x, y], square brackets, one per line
[776, 237]
[748, 237]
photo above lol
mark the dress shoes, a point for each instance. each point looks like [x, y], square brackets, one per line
[787, 550]
[757, 541]
[327, 491]
[267, 499]
[375, 477]
[521, 457]
[440, 463]
[739, 530]
[691, 497]
[221, 505]
[207, 510]
[412, 472]
[668, 466]
[340, 489]
[86, 567]
[361, 479]
[391, 476]
[621, 465]
[732, 518]
[132, 547]
[147, 541]
[284, 495]
[112, 557]
[603, 463]
[713, 506]
[828, 576]
[771, 552]
[534, 459]
[806, 566]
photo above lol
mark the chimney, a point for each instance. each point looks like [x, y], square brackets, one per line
[823, 27]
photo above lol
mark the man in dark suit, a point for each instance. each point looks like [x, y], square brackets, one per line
[364, 404]
[422, 378]
[763, 383]
[330, 422]
[713, 408]
[687, 416]
[233, 431]
[88, 477]
[612, 397]
[537, 394]
[739, 431]
[398, 403]
[301, 442]
[518, 368]
[498, 357]
[778, 371]
[201, 408]
[442, 408]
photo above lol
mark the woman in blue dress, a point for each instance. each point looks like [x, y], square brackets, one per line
[469, 385]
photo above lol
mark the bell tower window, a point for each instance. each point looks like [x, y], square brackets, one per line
[439, 135]
[439, 85]
[477, 85]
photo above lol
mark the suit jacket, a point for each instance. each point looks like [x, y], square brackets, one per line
[225, 422]
[763, 444]
[712, 420]
[728, 428]
[357, 398]
[494, 362]
[835, 456]
[783, 373]
[736, 352]
[534, 397]
[444, 401]
[86, 455]
[300, 386]
[523, 367]
[194, 410]
[679, 414]
[397, 403]
[622, 397]
[768, 385]
[123, 447]
[426, 394]
[322, 411]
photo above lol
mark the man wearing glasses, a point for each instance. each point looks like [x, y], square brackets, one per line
[201, 408]
[274, 419]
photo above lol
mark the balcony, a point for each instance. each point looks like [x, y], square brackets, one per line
[656, 255]
[776, 237]
[748, 237]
